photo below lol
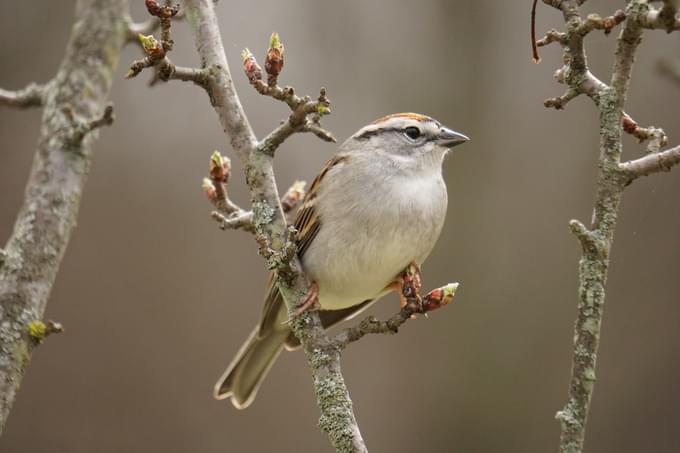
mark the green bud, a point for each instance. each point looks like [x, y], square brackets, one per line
[275, 42]
[37, 330]
[149, 43]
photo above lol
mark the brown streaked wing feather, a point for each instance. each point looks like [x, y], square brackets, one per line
[307, 223]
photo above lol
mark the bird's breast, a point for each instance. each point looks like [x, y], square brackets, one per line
[372, 232]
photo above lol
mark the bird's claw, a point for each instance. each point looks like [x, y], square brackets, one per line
[310, 301]
[409, 284]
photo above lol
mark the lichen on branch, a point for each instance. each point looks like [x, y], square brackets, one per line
[613, 176]
[33, 253]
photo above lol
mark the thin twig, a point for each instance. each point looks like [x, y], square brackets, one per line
[551, 37]
[589, 240]
[435, 299]
[306, 113]
[596, 22]
[534, 44]
[660, 19]
[656, 136]
[229, 215]
[651, 163]
[79, 127]
[242, 220]
[33, 95]
[151, 25]
[559, 102]
[156, 52]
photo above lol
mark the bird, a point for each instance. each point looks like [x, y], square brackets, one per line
[377, 206]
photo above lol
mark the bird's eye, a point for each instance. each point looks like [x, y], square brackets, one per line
[412, 132]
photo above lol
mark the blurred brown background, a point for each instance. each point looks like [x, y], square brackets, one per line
[156, 299]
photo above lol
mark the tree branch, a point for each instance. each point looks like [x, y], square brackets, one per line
[306, 113]
[651, 163]
[436, 298]
[276, 240]
[156, 51]
[33, 95]
[588, 239]
[63, 157]
[660, 19]
[228, 214]
[612, 179]
[576, 74]
[337, 417]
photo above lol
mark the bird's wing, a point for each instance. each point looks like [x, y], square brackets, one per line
[307, 223]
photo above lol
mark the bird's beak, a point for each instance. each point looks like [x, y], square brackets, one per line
[450, 138]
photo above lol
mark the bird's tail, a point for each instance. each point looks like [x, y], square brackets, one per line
[250, 366]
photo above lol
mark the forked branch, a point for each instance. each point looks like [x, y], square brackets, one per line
[305, 113]
[266, 218]
[613, 176]
[156, 52]
[652, 163]
[33, 95]
[435, 299]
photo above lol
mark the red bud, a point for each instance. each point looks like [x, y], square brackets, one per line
[629, 125]
[250, 66]
[439, 297]
[273, 62]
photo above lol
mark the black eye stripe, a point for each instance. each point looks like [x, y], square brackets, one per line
[370, 133]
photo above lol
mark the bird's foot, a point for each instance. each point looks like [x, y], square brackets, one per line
[310, 300]
[408, 285]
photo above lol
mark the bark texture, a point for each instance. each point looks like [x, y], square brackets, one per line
[73, 104]
[612, 178]
[337, 418]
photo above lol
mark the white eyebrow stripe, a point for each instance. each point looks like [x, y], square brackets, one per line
[391, 123]
[397, 123]
[367, 130]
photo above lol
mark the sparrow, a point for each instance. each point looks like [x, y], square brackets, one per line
[376, 207]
